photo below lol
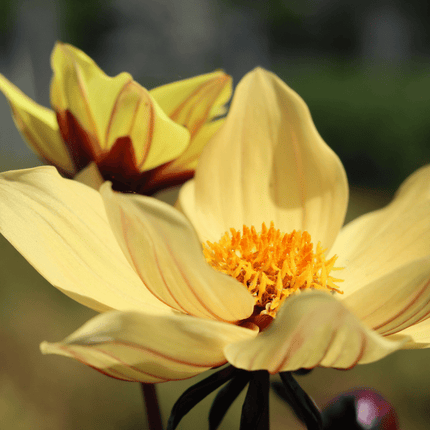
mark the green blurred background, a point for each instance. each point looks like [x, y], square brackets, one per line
[363, 69]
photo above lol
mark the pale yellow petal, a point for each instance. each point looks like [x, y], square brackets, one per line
[80, 86]
[268, 163]
[149, 348]
[182, 100]
[382, 241]
[394, 301]
[90, 176]
[164, 250]
[186, 203]
[311, 330]
[156, 139]
[194, 103]
[189, 159]
[60, 226]
[418, 335]
[38, 125]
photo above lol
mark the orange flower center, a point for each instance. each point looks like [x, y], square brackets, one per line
[272, 265]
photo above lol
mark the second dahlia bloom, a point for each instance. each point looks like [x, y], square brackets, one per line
[103, 128]
[268, 202]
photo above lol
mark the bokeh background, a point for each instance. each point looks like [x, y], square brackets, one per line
[363, 67]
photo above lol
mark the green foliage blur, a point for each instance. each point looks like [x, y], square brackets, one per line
[374, 118]
[7, 16]
[86, 22]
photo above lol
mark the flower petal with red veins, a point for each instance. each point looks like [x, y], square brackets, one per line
[38, 125]
[311, 329]
[163, 248]
[378, 243]
[149, 348]
[60, 227]
[78, 85]
[268, 163]
[155, 138]
[394, 301]
[418, 335]
[194, 103]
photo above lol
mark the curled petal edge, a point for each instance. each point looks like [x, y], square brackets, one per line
[148, 347]
[161, 245]
[312, 329]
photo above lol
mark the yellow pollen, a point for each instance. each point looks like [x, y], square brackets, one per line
[272, 265]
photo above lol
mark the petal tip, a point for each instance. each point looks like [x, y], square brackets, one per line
[261, 72]
[47, 348]
[259, 69]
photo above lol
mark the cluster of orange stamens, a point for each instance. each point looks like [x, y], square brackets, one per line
[271, 264]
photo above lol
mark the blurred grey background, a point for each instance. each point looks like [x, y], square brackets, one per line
[363, 67]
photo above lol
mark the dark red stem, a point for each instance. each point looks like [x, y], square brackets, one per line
[151, 405]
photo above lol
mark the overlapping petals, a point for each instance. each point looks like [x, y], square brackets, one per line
[39, 127]
[118, 125]
[417, 335]
[382, 241]
[76, 88]
[267, 163]
[60, 226]
[396, 300]
[198, 104]
[312, 329]
[150, 348]
[386, 304]
[163, 248]
[126, 133]
[386, 255]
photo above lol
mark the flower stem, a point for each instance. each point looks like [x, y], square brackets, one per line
[151, 405]
[303, 406]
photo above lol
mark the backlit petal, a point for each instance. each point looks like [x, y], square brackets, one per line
[268, 163]
[394, 301]
[186, 203]
[382, 241]
[190, 157]
[149, 348]
[60, 227]
[418, 334]
[164, 250]
[38, 125]
[194, 103]
[311, 330]
[80, 86]
[156, 139]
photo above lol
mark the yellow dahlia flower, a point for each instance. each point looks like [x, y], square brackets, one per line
[272, 302]
[114, 129]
